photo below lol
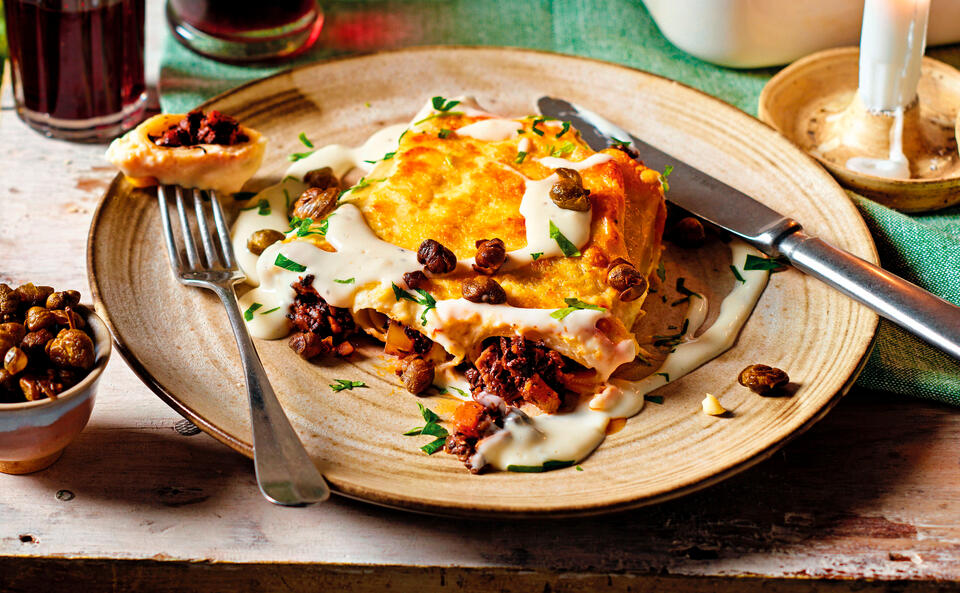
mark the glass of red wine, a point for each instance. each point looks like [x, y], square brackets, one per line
[246, 30]
[77, 65]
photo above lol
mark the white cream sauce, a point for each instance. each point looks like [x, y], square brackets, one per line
[573, 436]
[552, 162]
[491, 130]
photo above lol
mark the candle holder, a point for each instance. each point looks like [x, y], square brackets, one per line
[814, 102]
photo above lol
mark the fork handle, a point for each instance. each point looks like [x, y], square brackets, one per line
[285, 473]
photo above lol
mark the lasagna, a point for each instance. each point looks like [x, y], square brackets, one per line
[497, 257]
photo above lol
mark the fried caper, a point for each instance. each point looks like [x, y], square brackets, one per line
[39, 318]
[415, 279]
[15, 360]
[483, 289]
[11, 333]
[35, 343]
[322, 178]
[69, 318]
[9, 303]
[262, 239]
[568, 192]
[32, 295]
[625, 278]
[314, 203]
[436, 258]
[763, 379]
[71, 348]
[491, 253]
[688, 232]
[418, 376]
[63, 299]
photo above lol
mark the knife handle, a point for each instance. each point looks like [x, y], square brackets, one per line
[923, 314]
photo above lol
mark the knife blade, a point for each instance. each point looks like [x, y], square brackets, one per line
[927, 316]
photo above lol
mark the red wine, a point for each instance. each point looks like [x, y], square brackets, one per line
[76, 59]
[233, 19]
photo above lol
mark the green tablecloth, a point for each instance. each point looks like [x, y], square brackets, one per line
[923, 249]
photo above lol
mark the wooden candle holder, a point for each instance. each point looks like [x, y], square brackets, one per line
[814, 103]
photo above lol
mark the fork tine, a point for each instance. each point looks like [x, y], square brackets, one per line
[188, 242]
[175, 261]
[210, 250]
[223, 233]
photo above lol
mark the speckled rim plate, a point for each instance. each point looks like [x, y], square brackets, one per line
[178, 341]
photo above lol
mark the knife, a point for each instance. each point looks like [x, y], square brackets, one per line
[925, 315]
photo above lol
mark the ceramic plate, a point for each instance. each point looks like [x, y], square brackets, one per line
[178, 340]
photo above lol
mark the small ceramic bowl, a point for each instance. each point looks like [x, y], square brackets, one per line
[34, 434]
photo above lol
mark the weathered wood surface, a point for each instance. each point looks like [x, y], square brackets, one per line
[873, 491]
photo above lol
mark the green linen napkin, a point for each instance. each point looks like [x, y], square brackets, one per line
[923, 249]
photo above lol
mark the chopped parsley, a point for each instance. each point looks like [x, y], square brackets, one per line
[441, 104]
[736, 273]
[425, 299]
[621, 144]
[657, 399]
[262, 207]
[536, 469]
[661, 273]
[364, 182]
[535, 129]
[568, 248]
[564, 129]
[342, 384]
[347, 281]
[300, 155]
[270, 311]
[574, 305]
[428, 303]
[444, 133]
[672, 340]
[686, 291]
[430, 428]
[563, 150]
[665, 376]
[663, 177]
[579, 469]
[248, 314]
[305, 226]
[286, 199]
[763, 263]
[441, 389]
[434, 445]
[306, 141]
[536, 255]
[400, 293]
[436, 115]
[288, 264]
[520, 156]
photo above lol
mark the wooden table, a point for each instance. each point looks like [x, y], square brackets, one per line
[872, 492]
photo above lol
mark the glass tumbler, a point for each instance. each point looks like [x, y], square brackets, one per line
[245, 30]
[77, 65]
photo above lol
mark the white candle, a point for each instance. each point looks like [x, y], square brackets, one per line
[892, 41]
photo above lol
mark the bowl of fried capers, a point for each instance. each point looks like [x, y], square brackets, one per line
[53, 351]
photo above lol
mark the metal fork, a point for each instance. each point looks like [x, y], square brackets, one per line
[285, 473]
